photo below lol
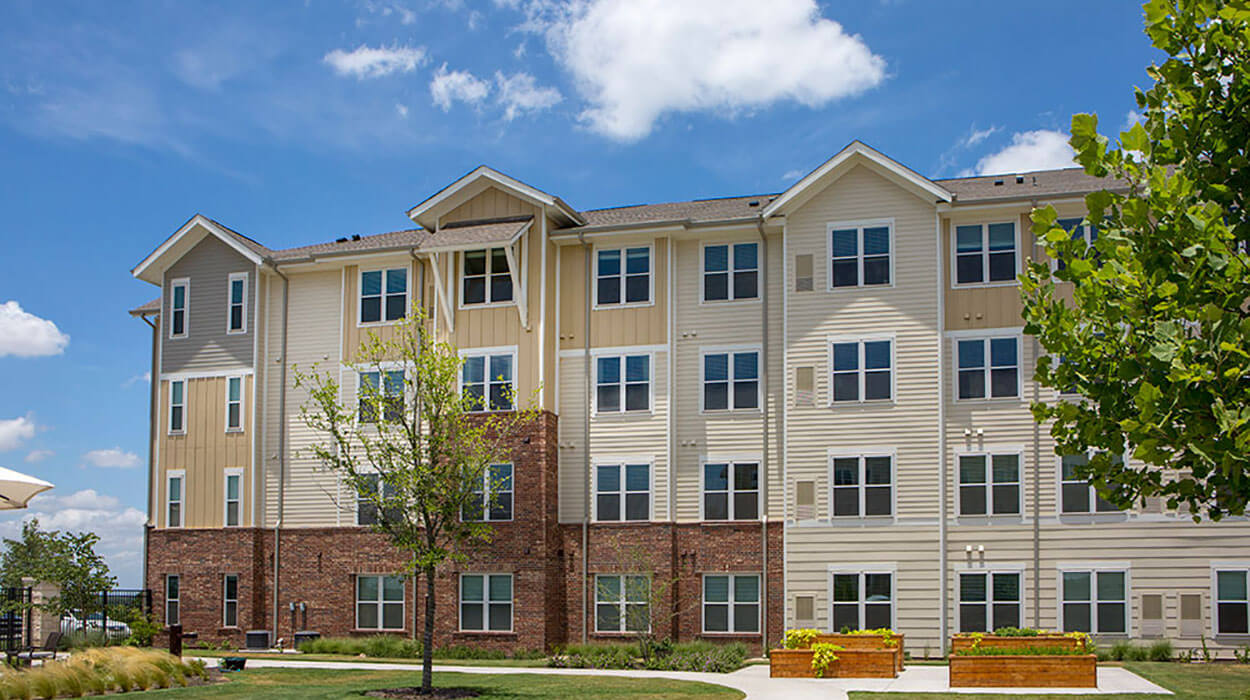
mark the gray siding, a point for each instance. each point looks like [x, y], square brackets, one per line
[206, 345]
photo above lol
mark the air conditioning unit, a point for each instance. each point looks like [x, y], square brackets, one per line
[259, 640]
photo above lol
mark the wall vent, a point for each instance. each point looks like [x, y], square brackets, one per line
[803, 273]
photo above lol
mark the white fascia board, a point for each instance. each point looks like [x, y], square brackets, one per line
[198, 220]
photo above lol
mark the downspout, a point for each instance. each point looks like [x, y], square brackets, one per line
[586, 441]
[154, 390]
[943, 594]
[420, 297]
[766, 474]
[1037, 487]
[282, 428]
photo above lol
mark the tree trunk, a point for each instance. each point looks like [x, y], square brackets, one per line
[427, 637]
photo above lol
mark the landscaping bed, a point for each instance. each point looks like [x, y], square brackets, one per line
[808, 653]
[1024, 671]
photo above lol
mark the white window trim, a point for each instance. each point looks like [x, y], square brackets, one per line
[1085, 233]
[225, 496]
[703, 603]
[759, 379]
[731, 460]
[461, 305]
[380, 368]
[651, 267]
[242, 404]
[230, 279]
[403, 600]
[988, 451]
[510, 350]
[485, 603]
[830, 227]
[368, 470]
[860, 454]
[594, 396]
[619, 463]
[621, 602]
[170, 410]
[703, 300]
[1007, 568]
[1093, 513]
[170, 475]
[360, 288]
[985, 256]
[1093, 568]
[890, 568]
[1216, 567]
[185, 283]
[225, 600]
[832, 340]
[488, 493]
[178, 600]
[985, 336]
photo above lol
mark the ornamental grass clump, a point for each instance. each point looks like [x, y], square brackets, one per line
[100, 670]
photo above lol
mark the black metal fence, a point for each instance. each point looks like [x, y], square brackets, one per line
[15, 622]
[109, 615]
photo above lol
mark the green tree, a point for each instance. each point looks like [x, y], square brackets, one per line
[413, 449]
[1150, 323]
[67, 559]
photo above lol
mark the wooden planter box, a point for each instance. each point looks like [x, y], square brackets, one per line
[1024, 671]
[791, 663]
[851, 663]
[959, 643]
[856, 642]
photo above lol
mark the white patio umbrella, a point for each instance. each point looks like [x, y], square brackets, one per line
[16, 489]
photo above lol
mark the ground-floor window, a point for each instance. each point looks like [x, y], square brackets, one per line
[1232, 602]
[731, 603]
[486, 602]
[863, 600]
[1095, 601]
[622, 603]
[989, 600]
[230, 601]
[379, 602]
[172, 584]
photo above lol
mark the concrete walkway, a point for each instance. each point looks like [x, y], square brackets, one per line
[755, 683]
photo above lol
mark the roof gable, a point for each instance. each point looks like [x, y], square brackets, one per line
[426, 213]
[186, 237]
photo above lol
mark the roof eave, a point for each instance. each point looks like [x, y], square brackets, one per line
[141, 270]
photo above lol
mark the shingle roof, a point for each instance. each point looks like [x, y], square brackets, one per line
[695, 211]
[243, 240]
[1043, 183]
[408, 238]
[152, 307]
[479, 233]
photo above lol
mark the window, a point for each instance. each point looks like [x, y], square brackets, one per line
[731, 381]
[236, 311]
[234, 404]
[486, 602]
[988, 601]
[179, 302]
[731, 272]
[383, 295]
[985, 253]
[1095, 601]
[367, 500]
[623, 384]
[862, 486]
[493, 496]
[379, 603]
[731, 491]
[487, 382]
[863, 600]
[623, 284]
[731, 603]
[860, 255]
[1001, 374]
[1077, 495]
[989, 484]
[172, 612]
[861, 370]
[1079, 230]
[622, 603]
[177, 407]
[384, 389]
[486, 277]
[173, 498]
[234, 478]
[230, 601]
[623, 492]
[1232, 602]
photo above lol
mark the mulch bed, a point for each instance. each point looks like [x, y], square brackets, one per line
[404, 693]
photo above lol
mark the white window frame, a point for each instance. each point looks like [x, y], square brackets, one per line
[732, 631]
[486, 602]
[623, 384]
[489, 303]
[989, 452]
[181, 475]
[620, 463]
[381, 370]
[861, 486]
[185, 283]
[622, 304]
[863, 570]
[1086, 231]
[226, 600]
[176, 601]
[985, 336]
[229, 473]
[998, 569]
[732, 461]
[859, 255]
[860, 340]
[1217, 567]
[381, 602]
[730, 350]
[509, 350]
[1093, 568]
[622, 603]
[365, 472]
[1093, 496]
[489, 493]
[241, 403]
[984, 255]
[730, 271]
[230, 280]
[182, 429]
[360, 295]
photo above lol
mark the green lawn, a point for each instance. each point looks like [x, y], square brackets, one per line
[513, 663]
[1188, 681]
[276, 684]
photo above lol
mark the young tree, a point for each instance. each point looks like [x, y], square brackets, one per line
[67, 559]
[414, 450]
[1154, 334]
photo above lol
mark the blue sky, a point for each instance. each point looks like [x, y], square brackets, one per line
[299, 122]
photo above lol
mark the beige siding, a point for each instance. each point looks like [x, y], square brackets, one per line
[490, 203]
[612, 327]
[353, 333]
[986, 306]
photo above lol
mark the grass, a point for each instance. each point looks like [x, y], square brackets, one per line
[324, 684]
[1188, 681]
[505, 663]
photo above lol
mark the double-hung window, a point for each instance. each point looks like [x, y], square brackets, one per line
[383, 295]
[862, 370]
[1077, 495]
[177, 407]
[985, 253]
[230, 600]
[492, 498]
[622, 383]
[1079, 230]
[989, 367]
[1232, 601]
[859, 255]
[486, 382]
[486, 602]
[622, 603]
[382, 389]
[379, 602]
[623, 492]
[863, 600]
[234, 481]
[989, 600]
[623, 276]
[989, 484]
[862, 486]
[731, 490]
[234, 404]
[731, 272]
[236, 308]
[368, 500]
[179, 307]
[173, 599]
[731, 603]
[173, 498]
[1095, 601]
[486, 277]
[731, 381]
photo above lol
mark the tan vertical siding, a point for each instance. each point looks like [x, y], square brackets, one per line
[490, 203]
[612, 327]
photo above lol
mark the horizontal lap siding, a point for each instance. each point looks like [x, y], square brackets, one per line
[207, 346]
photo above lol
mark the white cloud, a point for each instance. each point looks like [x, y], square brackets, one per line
[119, 527]
[475, 20]
[1133, 117]
[26, 335]
[146, 378]
[15, 430]
[520, 94]
[976, 136]
[1028, 151]
[401, 110]
[112, 457]
[635, 61]
[36, 456]
[448, 87]
[792, 175]
[366, 62]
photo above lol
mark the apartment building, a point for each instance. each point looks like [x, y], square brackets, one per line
[798, 409]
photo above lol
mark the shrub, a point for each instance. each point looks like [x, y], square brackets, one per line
[1120, 650]
[1160, 651]
[799, 639]
[466, 652]
[1017, 632]
[700, 656]
[1242, 655]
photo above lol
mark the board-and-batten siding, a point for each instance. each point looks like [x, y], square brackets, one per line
[609, 326]
[207, 346]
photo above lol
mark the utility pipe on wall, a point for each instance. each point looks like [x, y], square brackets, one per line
[586, 442]
[282, 428]
[764, 471]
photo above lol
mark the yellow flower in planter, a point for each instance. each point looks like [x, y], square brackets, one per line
[823, 657]
[799, 638]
